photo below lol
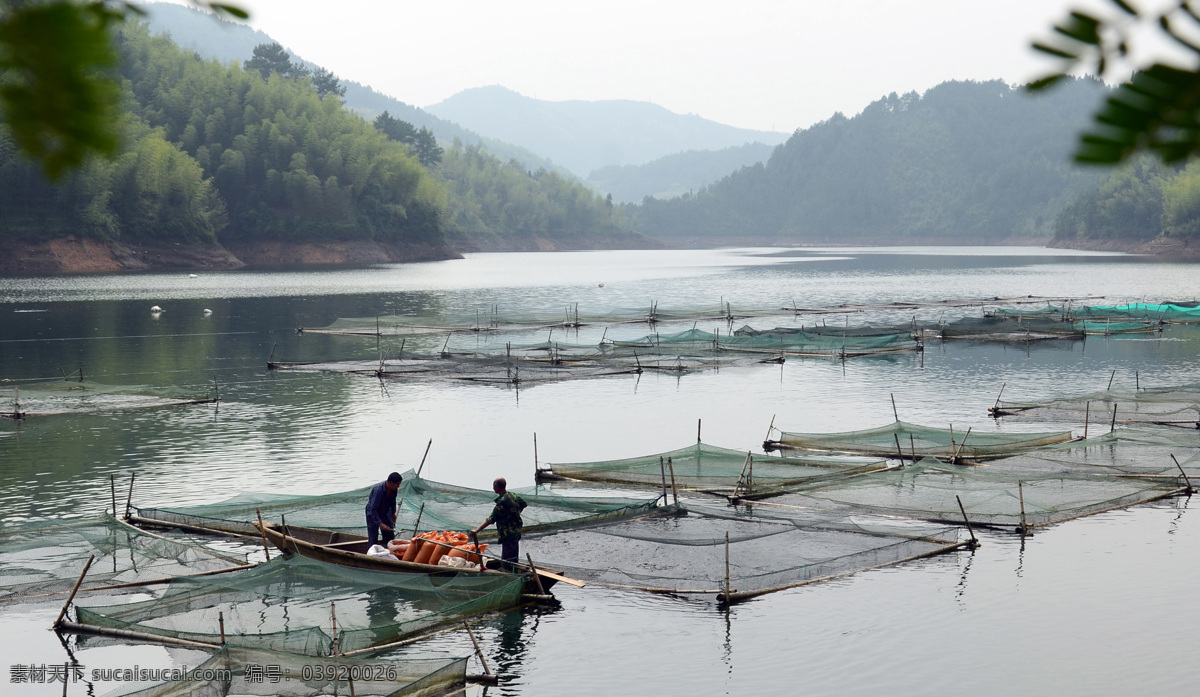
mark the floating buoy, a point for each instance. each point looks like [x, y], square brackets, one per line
[192, 275]
[156, 310]
[601, 285]
[207, 312]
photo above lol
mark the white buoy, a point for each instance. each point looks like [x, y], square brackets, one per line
[207, 312]
[156, 310]
[192, 275]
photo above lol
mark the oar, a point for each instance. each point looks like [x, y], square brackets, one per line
[540, 572]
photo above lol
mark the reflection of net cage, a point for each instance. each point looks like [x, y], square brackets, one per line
[687, 553]
[284, 605]
[439, 507]
[1024, 492]
[49, 397]
[718, 470]
[237, 670]
[47, 557]
[1177, 405]
[911, 441]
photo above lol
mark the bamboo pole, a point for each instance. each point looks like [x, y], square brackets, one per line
[698, 430]
[769, 429]
[263, 529]
[899, 452]
[1185, 477]
[893, 395]
[674, 491]
[727, 584]
[1113, 426]
[1087, 417]
[1110, 379]
[997, 405]
[536, 466]
[478, 651]
[417, 526]
[333, 614]
[221, 622]
[63, 613]
[974, 541]
[131, 584]
[422, 465]
[662, 469]
[129, 498]
[912, 447]
[112, 482]
[536, 577]
[76, 628]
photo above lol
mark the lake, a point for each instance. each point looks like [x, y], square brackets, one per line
[1094, 606]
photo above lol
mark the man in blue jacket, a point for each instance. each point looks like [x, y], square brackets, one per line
[381, 510]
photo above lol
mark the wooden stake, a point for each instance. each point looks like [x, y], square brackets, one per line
[912, 447]
[1087, 416]
[727, 586]
[417, 527]
[112, 482]
[894, 412]
[899, 452]
[974, 541]
[770, 428]
[537, 578]
[1110, 379]
[129, 499]
[1190, 490]
[536, 466]
[333, 614]
[422, 465]
[997, 405]
[1137, 381]
[221, 622]
[662, 469]
[263, 529]
[63, 613]
[1021, 495]
[674, 491]
[698, 430]
[478, 651]
[1113, 426]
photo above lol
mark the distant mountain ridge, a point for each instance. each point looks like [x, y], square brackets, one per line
[584, 136]
[675, 175]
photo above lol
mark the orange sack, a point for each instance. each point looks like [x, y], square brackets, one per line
[411, 553]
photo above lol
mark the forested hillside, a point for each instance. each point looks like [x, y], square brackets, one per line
[967, 162]
[218, 153]
[675, 175]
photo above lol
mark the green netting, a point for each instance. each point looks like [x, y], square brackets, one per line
[243, 671]
[440, 507]
[905, 440]
[284, 605]
[48, 556]
[710, 468]
[1179, 405]
[780, 341]
[48, 397]
[770, 548]
[997, 328]
[1170, 313]
[991, 494]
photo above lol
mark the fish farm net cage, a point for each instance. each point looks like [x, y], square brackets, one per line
[239, 671]
[46, 557]
[1007, 329]
[689, 552]
[903, 441]
[429, 505]
[1168, 406]
[23, 399]
[285, 605]
[1024, 492]
[713, 469]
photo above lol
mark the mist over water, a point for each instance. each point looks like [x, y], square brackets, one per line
[1095, 606]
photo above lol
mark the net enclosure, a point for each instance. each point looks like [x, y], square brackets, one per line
[779, 341]
[719, 470]
[235, 670]
[50, 397]
[1169, 406]
[437, 506]
[46, 557]
[1023, 492]
[285, 605]
[911, 441]
[688, 553]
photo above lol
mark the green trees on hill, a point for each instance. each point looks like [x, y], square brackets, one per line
[965, 162]
[422, 142]
[1139, 201]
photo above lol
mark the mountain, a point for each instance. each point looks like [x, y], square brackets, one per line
[213, 38]
[966, 162]
[585, 136]
[674, 175]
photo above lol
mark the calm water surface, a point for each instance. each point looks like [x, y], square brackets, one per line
[1097, 606]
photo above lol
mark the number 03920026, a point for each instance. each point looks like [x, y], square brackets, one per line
[365, 672]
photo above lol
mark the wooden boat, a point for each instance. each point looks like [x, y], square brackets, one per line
[348, 549]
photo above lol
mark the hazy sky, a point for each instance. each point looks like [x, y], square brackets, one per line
[764, 64]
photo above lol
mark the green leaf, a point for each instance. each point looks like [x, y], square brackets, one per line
[1045, 82]
[231, 10]
[59, 93]
[1126, 7]
[1082, 28]
[1061, 53]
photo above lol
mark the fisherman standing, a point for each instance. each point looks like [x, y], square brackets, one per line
[507, 516]
[381, 510]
